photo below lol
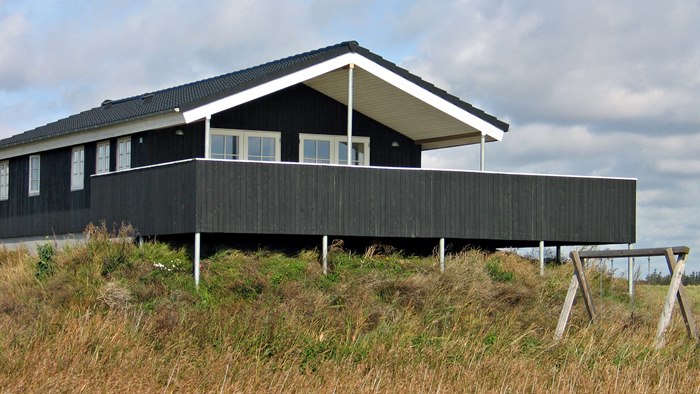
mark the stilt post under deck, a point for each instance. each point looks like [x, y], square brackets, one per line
[197, 248]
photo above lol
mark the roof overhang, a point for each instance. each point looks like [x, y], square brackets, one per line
[430, 120]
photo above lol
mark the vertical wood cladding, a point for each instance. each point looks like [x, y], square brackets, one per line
[264, 198]
[301, 109]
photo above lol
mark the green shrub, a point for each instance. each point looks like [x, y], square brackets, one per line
[496, 271]
[45, 267]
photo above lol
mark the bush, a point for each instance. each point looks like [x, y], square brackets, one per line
[45, 267]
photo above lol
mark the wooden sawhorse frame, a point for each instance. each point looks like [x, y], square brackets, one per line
[675, 290]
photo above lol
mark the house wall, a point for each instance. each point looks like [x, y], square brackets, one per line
[301, 109]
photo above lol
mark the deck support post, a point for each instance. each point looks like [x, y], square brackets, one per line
[541, 258]
[324, 254]
[482, 164]
[351, 67]
[197, 248]
[442, 254]
[558, 252]
[630, 274]
[140, 241]
[207, 137]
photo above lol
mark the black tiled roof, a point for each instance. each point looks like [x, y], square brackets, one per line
[198, 93]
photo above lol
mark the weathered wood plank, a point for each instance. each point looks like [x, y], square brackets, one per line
[669, 302]
[566, 309]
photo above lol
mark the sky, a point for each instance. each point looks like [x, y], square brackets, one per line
[589, 88]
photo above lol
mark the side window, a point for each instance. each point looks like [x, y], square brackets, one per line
[102, 165]
[77, 179]
[332, 149]
[229, 144]
[4, 180]
[34, 174]
[124, 153]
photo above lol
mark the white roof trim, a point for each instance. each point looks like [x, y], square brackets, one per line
[334, 64]
[92, 135]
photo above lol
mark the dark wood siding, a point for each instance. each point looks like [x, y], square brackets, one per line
[158, 199]
[268, 198]
[162, 146]
[301, 109]
[57, 209]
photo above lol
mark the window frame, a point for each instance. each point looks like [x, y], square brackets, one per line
[243, 136]
[4, 180]
[335, 140]
[77, 179]
[126, 155]
[106, 159]
[33, 192]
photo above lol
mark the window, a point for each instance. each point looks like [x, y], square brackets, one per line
[4, 180]
[34, 174]
[332, 149]
[77, 168]
[123, 153]
[102, 157]
[230, 144]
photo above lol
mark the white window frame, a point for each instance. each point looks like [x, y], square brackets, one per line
[334, 140]
[4, 180]
[243, 136]
[77, 168]
[35, 192]
[105, 159]
[123, 153]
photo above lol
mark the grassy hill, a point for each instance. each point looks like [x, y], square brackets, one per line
[109, 316]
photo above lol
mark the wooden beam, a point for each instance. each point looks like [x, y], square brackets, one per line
[581, 275]
[665, 319]
[684, 302]
[632, 253]
[566, 309]
[448, 138]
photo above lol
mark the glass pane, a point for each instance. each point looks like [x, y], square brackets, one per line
[342, 153]
[324, 152]
[268, 148]
[358, 153]
[217, 146]
[254, 148]
[309, 151]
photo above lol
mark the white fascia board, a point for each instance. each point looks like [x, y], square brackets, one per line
[267, 88]
[92, 135]
[334, 64]
[428, 97]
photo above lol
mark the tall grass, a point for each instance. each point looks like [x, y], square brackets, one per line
[114, 317]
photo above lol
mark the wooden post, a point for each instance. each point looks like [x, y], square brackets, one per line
[630, 274]
[581, 275]
[677, 270]
[442, 254]
[351, 67]
[324, 254]
[482, 162]
[558, 252]
[566, 309]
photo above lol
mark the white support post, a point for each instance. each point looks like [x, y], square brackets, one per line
[541, 258]
[351, 67]
[140, 241]
[197, 246]
[630, 274]
[482, 164]
[207, 137]
[442, 254]
[324, 254]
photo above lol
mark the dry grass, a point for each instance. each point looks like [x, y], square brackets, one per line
[114, 317]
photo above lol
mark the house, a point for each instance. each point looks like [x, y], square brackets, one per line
[263, 152]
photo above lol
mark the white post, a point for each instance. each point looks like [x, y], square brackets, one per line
[197, 244]
[541, 258]
[207, 137]
[324, 254]
[351, 67]
[630, 274]
[140, 241]
[442, 254]
[482, 165]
